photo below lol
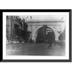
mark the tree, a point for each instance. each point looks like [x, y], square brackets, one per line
[21, 29]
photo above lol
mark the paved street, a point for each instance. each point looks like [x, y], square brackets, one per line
[35, 49]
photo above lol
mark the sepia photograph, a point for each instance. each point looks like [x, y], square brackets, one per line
[36, 36]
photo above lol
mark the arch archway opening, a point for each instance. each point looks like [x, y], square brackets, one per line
[45, 34]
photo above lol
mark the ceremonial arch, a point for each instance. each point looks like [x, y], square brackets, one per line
[37, 28]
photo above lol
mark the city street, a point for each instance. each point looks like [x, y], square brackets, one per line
[35, 49]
